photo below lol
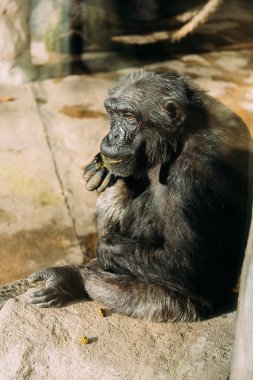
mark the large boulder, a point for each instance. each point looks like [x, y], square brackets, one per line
[45, 344]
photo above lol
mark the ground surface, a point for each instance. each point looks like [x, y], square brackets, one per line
[42, 344]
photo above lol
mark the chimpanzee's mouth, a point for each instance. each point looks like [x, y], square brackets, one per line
[110, 161]
[122, 167]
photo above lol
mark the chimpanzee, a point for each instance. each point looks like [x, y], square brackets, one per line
[173, 214]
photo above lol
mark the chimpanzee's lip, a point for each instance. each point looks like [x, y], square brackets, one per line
[108, 160]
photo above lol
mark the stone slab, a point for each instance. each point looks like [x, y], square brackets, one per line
[75, 120]
[35, 227]
[120, 347]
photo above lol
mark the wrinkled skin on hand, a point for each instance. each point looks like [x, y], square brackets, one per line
[97, 176]
[63, 285]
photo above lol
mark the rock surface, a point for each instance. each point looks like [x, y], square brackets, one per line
[15, 57]
[45, 344]
[75, 125]
[36, 229]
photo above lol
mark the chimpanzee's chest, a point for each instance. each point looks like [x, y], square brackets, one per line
[134, 216]
[141, 219]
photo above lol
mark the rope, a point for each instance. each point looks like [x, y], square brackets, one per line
[196, 18]
[199, 19]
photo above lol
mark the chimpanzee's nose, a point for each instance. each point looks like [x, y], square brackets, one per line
[116, 135]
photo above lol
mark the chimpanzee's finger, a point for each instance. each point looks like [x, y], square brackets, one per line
[108, 181]
[38, 276]
[53, 303]
[96, 180]
[43, 293]
[90, 170]
[43, 299]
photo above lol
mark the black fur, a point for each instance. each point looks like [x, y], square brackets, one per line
[173, 219]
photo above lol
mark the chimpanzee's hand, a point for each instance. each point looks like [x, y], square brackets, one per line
[97, 176]
[63, 285]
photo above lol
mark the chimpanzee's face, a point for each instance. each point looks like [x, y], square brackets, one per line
[144, 119]
[120, 148]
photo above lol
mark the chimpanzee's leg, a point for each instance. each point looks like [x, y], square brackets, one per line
[130, 296]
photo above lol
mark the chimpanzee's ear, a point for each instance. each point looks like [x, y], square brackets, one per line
[176, 111]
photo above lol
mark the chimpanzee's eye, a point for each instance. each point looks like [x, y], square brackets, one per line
[129, 116]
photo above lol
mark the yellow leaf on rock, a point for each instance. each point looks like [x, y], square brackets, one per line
[84, 340]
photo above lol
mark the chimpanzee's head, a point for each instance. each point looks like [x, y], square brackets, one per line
[148, 113]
